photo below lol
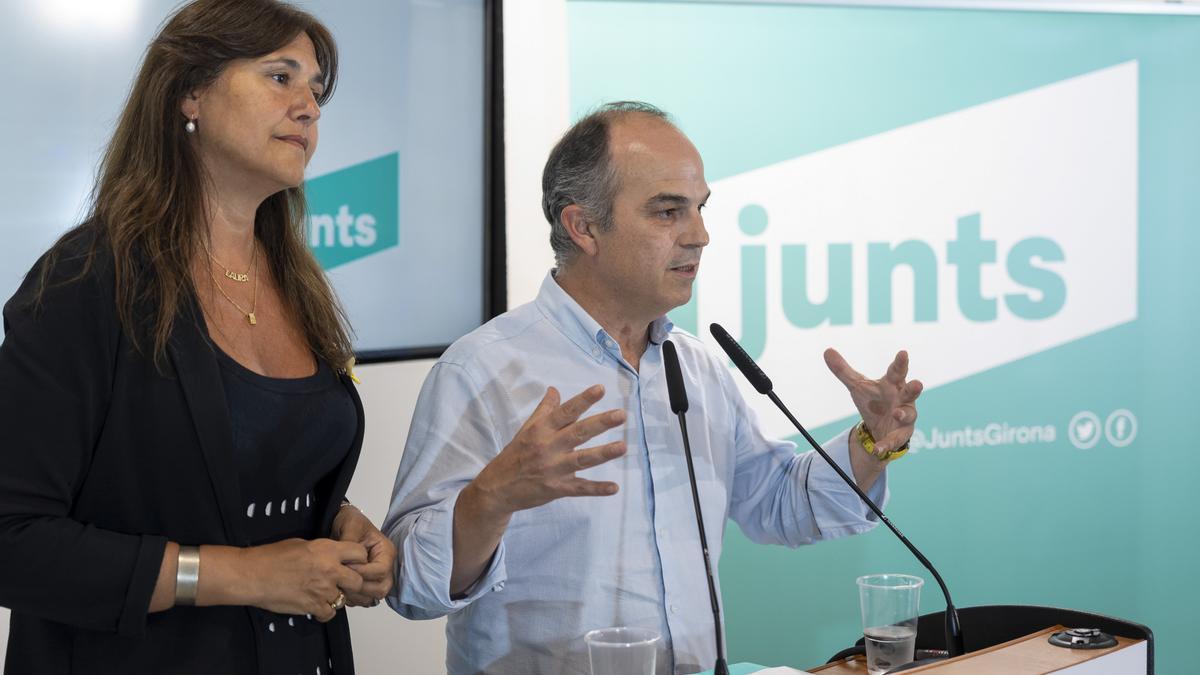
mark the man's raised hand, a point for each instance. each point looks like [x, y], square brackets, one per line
[887, 405]
[539, 464]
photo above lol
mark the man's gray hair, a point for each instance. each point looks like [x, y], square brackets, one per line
[580, 171]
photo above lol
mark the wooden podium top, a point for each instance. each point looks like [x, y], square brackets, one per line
[1029, 654]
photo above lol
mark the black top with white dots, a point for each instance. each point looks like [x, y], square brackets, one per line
[289, 436]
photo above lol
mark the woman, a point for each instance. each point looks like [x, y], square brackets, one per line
[179, 426]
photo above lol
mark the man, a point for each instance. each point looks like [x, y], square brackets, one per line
[529, 523]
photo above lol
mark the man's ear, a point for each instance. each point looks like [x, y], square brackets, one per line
[580, 230]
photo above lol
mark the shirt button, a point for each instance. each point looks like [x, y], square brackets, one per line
[595, 351]
[662, 533]
[674, 609]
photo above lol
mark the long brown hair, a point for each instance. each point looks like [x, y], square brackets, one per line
[148, 201]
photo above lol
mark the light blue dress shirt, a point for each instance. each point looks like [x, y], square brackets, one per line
[576, 564]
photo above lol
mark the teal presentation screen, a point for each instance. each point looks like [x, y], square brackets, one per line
[1013, 197]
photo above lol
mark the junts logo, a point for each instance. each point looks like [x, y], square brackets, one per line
[973, 239]
[1029, 264]
[354, 212]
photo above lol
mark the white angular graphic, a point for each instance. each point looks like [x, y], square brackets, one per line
[1058, 162]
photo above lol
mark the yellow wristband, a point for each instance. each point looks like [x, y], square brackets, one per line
[868, 443]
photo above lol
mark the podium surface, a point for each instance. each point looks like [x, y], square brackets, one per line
[1031, 654]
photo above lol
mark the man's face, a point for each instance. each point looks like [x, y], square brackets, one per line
[650, 257]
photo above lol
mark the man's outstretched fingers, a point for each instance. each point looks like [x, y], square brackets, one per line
[575, 406]
[912, 389]
[546, 406]
[581, 487]
[587, 458]
[898, 370]
[588, 428]
[840, 369]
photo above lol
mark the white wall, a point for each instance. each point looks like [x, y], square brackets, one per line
[536, 113]
[389, 392]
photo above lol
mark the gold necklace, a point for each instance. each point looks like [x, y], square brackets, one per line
[254, 294]
[239, 277]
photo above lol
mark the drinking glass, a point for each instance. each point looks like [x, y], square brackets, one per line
[622, 650]
[890, 605]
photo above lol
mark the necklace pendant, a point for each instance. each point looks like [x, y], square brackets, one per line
[241, 278]
[252, 319]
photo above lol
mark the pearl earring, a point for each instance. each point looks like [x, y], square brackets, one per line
[190, 127]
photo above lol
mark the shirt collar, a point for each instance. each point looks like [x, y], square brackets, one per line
[580, 327]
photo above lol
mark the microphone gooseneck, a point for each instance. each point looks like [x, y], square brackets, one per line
[762, 384]
[679, 405]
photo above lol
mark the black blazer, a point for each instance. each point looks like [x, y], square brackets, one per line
[103, 459]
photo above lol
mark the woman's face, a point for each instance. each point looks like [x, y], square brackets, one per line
[257, 123]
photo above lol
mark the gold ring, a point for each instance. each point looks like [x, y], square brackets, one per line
[340, 602]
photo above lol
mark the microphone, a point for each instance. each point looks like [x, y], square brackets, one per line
[762, 384]
[679, 406]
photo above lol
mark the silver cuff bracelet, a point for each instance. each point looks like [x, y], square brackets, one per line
[187, 576]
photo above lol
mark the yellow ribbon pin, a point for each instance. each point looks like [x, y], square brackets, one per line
[350, 371]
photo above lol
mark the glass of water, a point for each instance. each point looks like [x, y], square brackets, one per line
[890, 605]
[622, 650]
